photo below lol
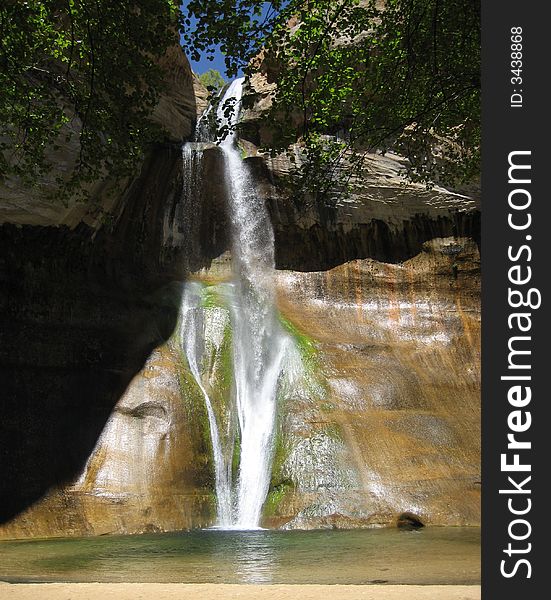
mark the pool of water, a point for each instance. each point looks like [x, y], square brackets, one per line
[438, 555]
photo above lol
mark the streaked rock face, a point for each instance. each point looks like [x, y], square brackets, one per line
[101, 430]
[393, 425]
[398, 429]
[146, 472]
[395, 430]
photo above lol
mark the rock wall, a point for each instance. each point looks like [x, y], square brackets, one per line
[384, 217]
[176, 112]
[398, 427]
[98, 432]
[145, 466]
[392, 428]
[87, 293]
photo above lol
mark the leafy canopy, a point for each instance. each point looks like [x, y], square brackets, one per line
[357, 76]
[352, 76]
[212, 80]
[82, 71]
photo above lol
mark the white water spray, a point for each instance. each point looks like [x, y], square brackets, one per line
[258, 340]
[259, 343]
[192, 336]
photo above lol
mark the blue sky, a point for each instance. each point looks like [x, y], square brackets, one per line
[218, 63]
[204, 64]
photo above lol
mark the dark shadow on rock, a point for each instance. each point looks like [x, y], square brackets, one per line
[409, 522]
[80, 312]
[70, 344]
[321, 247]
[316, 236]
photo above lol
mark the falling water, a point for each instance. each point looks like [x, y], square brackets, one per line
[258, 341]
[192, 157]
[192, 339]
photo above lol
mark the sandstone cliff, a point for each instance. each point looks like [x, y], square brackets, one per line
[99, 435]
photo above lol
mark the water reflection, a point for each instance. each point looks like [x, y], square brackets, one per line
[433, 555]
[255, 559]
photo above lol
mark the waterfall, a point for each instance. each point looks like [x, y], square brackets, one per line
[192, 157]
[259, 343]
[192, 340]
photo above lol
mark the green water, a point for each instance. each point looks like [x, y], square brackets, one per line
[428, 556]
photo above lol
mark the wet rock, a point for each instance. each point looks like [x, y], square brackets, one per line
[399, 346]
[390, 423]
[98, 436]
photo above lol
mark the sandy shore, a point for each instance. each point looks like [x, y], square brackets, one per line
[173, 591]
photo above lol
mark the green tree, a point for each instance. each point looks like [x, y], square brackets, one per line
[75, 68]
[374, 75]
[357, 76]
[212, 80]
